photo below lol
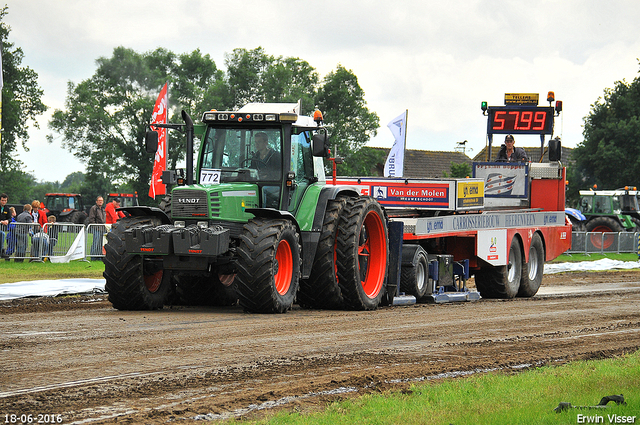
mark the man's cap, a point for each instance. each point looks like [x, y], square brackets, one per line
[508, 137]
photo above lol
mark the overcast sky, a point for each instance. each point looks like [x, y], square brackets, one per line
[437, 59]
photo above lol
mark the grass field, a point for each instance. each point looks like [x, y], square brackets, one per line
[17, 272]
[497, 398]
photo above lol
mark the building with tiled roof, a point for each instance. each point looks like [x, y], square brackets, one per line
[532, 152]
[425, 164]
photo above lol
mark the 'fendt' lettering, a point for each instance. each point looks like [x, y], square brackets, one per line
[188, 200]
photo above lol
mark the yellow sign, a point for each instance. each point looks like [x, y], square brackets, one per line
[521, 98]
[470, 194]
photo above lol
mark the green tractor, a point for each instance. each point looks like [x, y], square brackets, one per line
[257, 225]
[608, 211]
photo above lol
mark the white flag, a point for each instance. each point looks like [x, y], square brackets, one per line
[394, 166]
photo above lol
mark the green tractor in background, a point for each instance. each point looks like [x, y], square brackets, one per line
[607, 211]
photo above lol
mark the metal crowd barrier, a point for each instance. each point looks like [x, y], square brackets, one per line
[604, 243]
[27, 241]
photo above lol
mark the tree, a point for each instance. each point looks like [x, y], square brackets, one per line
[461, 170]
[609, 155]
[106, 116]
[21, 105]
[254, 76]
[350, 123]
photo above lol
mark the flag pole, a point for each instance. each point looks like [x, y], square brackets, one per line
[404, 143]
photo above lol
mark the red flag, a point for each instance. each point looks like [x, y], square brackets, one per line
[160, 163]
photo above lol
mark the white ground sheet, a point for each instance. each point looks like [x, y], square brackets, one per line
[52, 288]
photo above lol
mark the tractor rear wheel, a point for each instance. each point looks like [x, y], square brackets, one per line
[362, 251]
[603, 225]
[532, 271]
[268, 265]
[502, 281]
[414, 274]
[321, 290]
[133, 282]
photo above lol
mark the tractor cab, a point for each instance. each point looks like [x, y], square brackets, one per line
[266, 145]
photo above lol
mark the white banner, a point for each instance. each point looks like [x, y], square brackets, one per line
[394, 166]
[75, 252]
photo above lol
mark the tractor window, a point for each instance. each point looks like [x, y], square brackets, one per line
[301, 165]
[244, 154]
[586, 204]
[615, 204]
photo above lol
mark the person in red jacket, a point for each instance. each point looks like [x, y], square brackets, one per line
[110, 210]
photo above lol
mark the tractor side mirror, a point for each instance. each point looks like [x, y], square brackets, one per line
[151, 141]
[319, 144]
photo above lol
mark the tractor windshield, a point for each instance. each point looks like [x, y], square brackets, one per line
[243, 154]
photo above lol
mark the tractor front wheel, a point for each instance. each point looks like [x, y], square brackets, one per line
[268, 265]
[133, 282]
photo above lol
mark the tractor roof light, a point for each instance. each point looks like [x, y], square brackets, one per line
[317, 116]
[288, 117]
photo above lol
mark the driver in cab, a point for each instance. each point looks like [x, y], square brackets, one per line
[264, 159]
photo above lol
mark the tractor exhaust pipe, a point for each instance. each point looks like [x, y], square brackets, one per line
[189, 131]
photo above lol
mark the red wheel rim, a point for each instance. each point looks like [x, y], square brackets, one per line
[284, 260]
[153, 281]
[600, 242]
[372, 255]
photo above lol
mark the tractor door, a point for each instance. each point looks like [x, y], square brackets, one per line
[302, 166]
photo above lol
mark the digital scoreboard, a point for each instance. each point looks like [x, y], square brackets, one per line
[520, 119]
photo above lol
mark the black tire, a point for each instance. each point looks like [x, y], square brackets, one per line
[362, 249]
[414, 274]
[533, 270]
[603, 225]
[268, 266]
[133, 282]
[502, 281]
[204, 290]
[321, 290]
[577, 225]
[76, 217]
[165, 205]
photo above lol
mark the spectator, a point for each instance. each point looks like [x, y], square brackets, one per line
[11, 236]
[42, 215]
[35, 207]
[52, 230]
[5, 218]
[39, 245]
[22, 232]
[96, 217]
[111, 214]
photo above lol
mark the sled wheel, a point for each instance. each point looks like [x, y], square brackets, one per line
[268, 265]
[362, 253]
[133, 282]
[533, 270]
[321, 290]
[414, 274]
[502, 281]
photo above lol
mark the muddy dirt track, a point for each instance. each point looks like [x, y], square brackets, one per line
[79, 358]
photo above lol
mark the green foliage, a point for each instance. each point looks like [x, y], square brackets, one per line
[610, 152]
[461, 170]
[21, 105]
[347, 118]
[106, 116]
